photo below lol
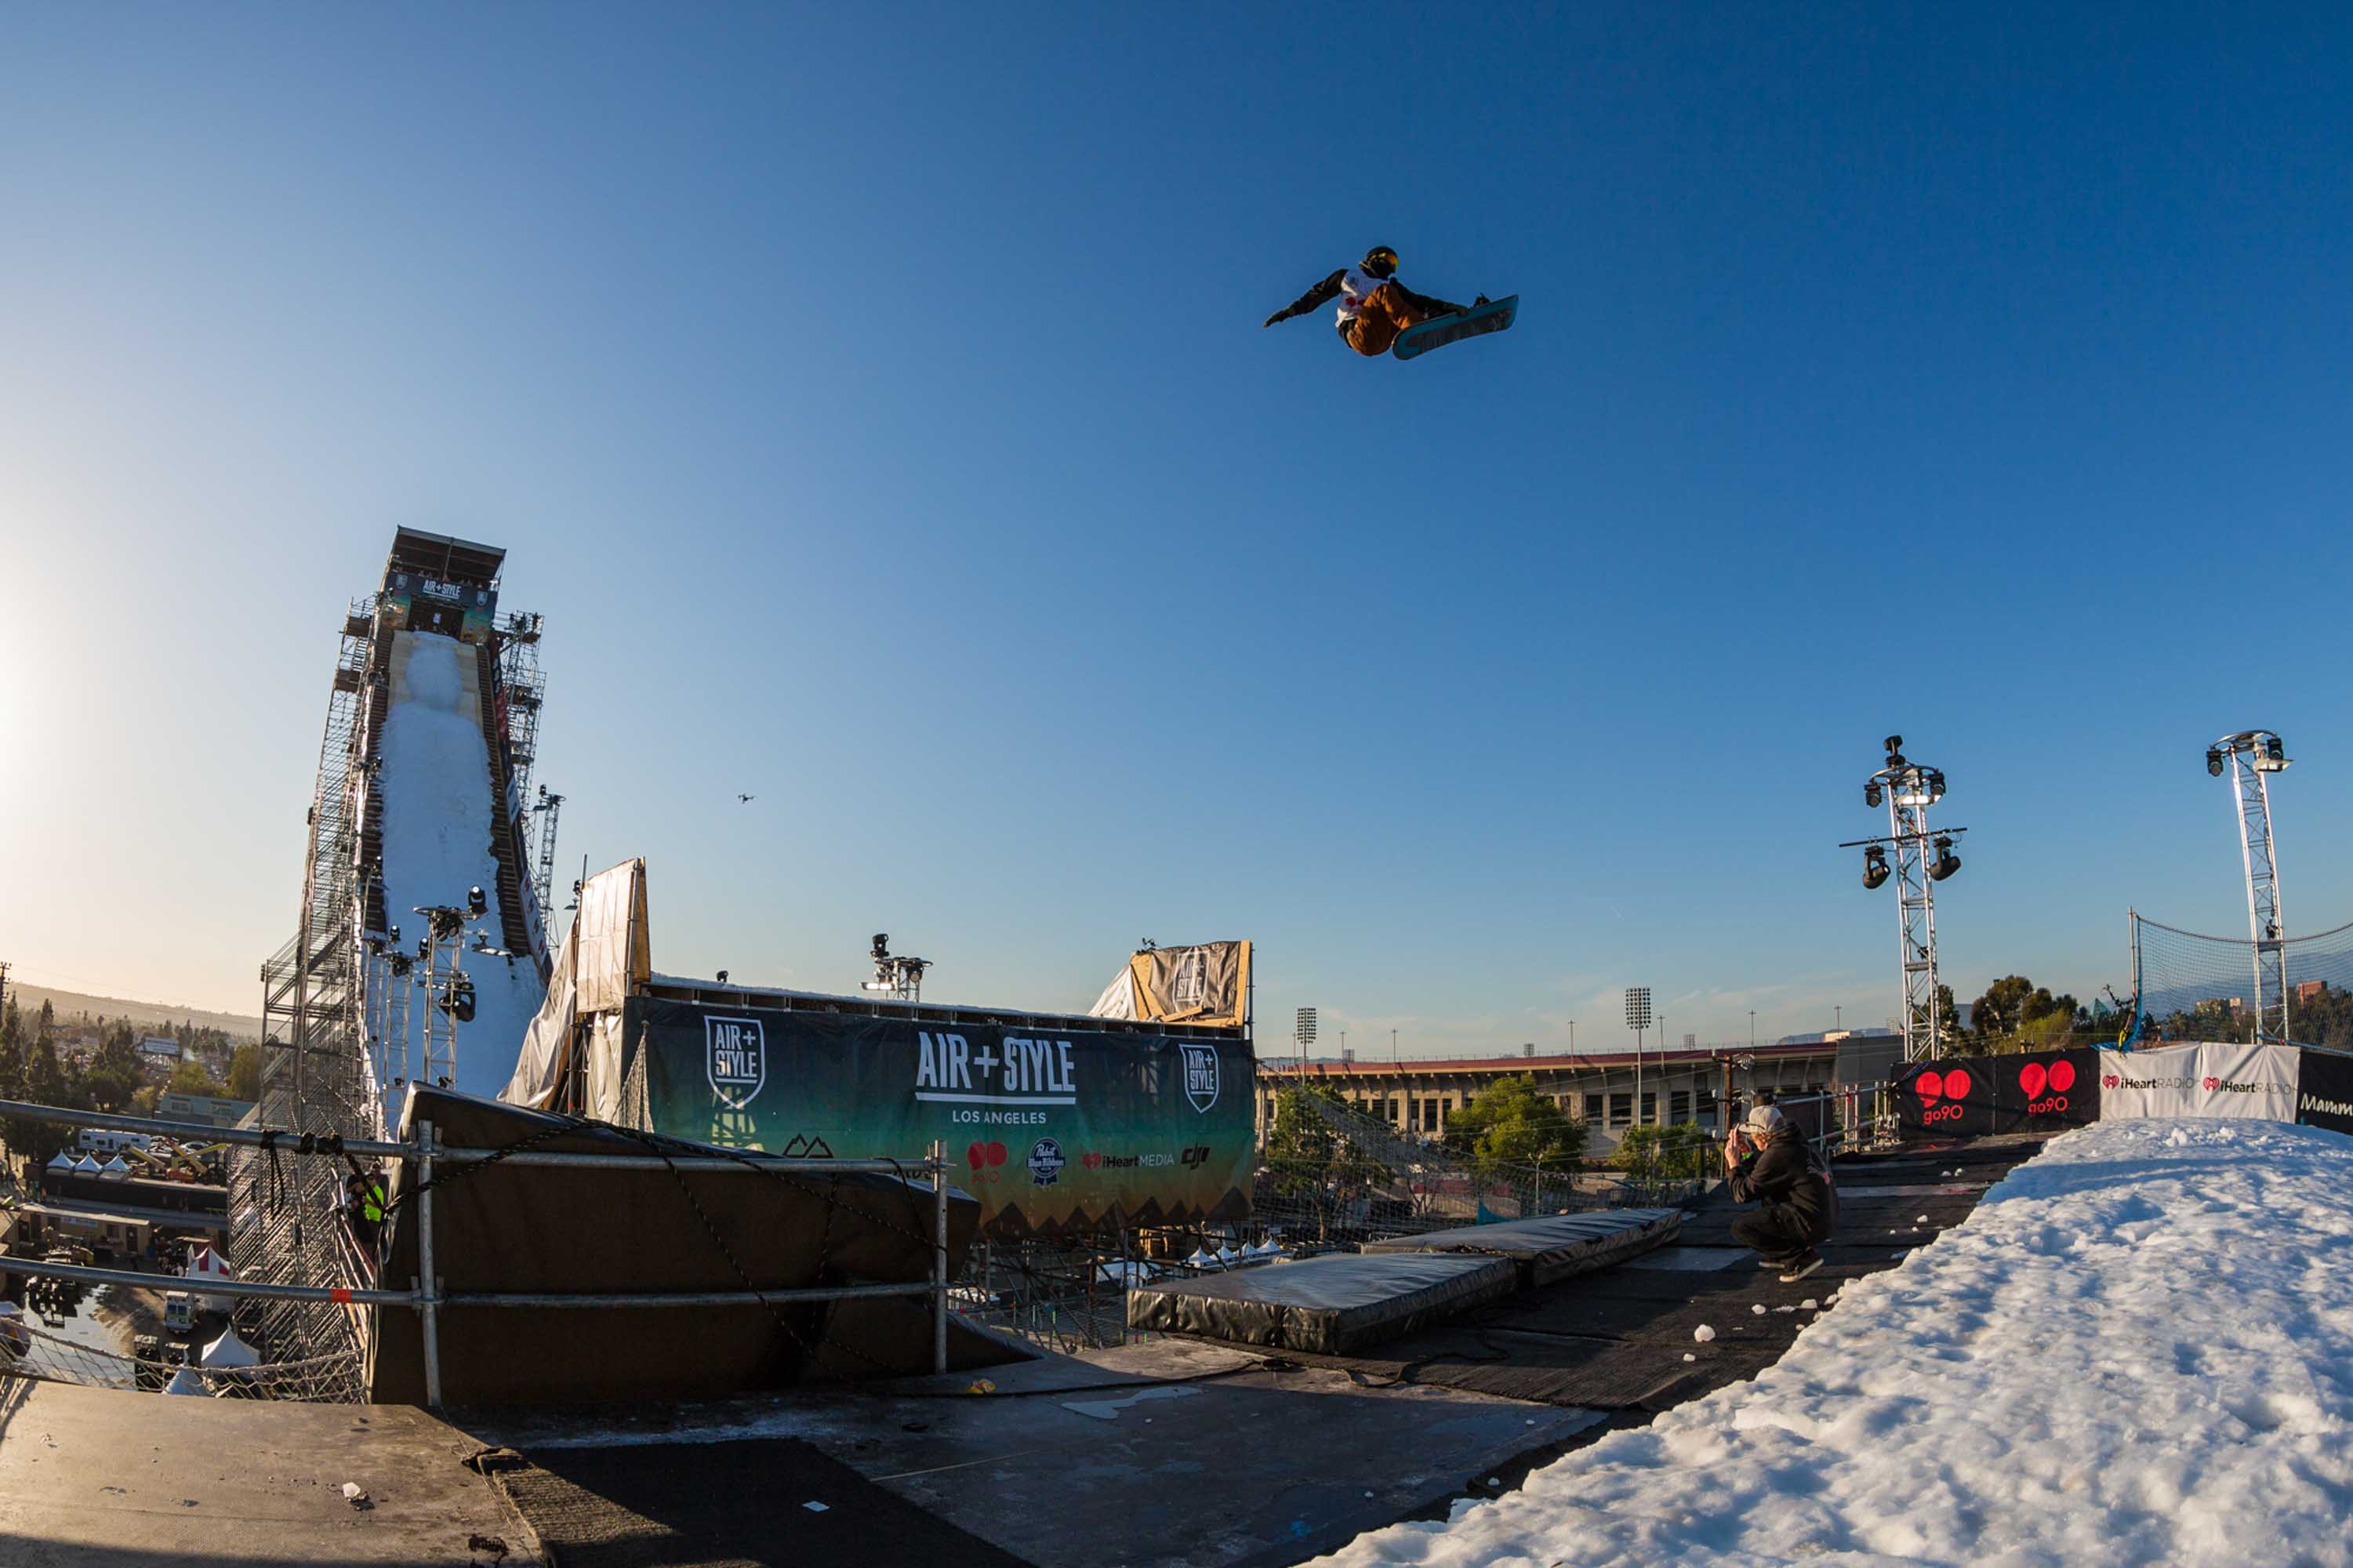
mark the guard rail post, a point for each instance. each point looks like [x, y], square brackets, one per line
[940, 1255]
[429, 1288]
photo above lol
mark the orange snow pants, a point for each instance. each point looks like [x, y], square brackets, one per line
[1387, 312]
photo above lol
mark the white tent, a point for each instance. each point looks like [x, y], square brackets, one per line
[185, 1380]
[115, 1170]
[85, 1166]
[206, 1265]
[229, 1350]
[61, 1161]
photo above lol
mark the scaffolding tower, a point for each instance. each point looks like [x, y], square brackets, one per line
[2251, 757]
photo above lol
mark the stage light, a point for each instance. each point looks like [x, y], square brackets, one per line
[2214, 760]
[475, 902]
[882, 946]
[1947, 862]
[723, 977]
[1874, 867]
[1873, 795]
[1894, 744]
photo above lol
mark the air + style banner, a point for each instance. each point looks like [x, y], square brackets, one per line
[2209, 1079]
[1052, 1129]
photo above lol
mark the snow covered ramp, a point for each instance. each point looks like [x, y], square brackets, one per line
[2137, 1350]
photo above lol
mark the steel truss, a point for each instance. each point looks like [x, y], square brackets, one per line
[2251, 757]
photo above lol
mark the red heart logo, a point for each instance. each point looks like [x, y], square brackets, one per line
[2062, 1077]
[1092, 1161]
[997, 1154]
[1957, 1085]
[2213, 1084]
[976, 1156]
[1929, 1087]
[2032, 1078]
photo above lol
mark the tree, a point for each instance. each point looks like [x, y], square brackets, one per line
[1309, 1157]
[2015, 1013]
[245, 1073]
[1666, 1153]
[1509, 1123]
[187, 1077]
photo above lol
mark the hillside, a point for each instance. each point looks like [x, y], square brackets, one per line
[146, 1014]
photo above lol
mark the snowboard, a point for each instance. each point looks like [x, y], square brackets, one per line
[1494, 316]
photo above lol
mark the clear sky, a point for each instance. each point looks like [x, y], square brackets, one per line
[874, 401]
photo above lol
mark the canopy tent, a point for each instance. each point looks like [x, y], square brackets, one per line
[228, 1351]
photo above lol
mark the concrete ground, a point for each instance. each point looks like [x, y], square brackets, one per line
[97, 1479]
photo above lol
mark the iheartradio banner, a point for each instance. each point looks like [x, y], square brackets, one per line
[2030, 1091]
[2211, 1079]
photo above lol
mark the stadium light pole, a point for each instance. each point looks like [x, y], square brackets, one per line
[1908, 789]
[1638, 1019]
[2251, 757]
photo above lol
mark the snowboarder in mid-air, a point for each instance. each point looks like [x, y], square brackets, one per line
[1374, 306]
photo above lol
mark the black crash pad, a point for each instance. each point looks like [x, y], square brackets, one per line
[1551, 1247]
[1327, 1305]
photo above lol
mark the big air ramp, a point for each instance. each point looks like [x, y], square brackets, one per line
[436, 783]
[1329, 1305]
[1554, 1248]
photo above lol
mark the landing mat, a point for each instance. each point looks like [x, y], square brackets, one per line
[1553, 1246]
[1325, 1305]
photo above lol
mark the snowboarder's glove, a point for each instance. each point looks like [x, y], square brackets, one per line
[1278, 316]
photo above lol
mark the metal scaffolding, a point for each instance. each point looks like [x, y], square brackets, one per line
[1922, 860]
[2251, 757]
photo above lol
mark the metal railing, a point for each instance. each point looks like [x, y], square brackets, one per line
[425, 1295]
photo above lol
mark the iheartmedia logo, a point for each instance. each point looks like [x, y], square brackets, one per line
[2034, 1080]
[1952, 1088]
[2224, 1086]
[2112, 1081]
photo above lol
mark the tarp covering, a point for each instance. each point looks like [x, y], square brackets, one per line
[1207, 984]
[1327, 1305]
[1055, 1129]
[606, 955]
[1553, 1246]
[566, 1230]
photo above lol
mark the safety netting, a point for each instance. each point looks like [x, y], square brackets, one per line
[2197, 987]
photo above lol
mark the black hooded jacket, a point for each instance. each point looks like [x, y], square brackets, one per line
[1784, 1176]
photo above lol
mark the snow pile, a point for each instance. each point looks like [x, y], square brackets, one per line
[2138, 1349]
[436, 784]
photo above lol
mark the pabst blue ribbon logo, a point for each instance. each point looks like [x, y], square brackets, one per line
[735, 1059]
[1046, 1161]
[1200, 1065]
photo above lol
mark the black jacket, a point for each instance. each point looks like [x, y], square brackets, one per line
[1786, 1176]
[1329, 289]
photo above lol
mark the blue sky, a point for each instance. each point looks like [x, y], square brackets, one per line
[874, 401]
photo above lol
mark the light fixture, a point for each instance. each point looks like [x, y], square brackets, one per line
[1874, 867]
[723, 977]
[2275, 749]
[475, 902]
[1872, 794]
[1947, 862]
[2214, 760]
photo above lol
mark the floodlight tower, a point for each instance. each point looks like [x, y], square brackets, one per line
[897, 978]
[1638, 1019]
[1909, 789]
[2252, 757]
[1303, 1035]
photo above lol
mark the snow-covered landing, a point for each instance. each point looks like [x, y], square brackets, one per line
[2137, 1350]
[436, 843]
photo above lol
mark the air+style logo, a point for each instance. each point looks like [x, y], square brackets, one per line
[1952, 1086]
